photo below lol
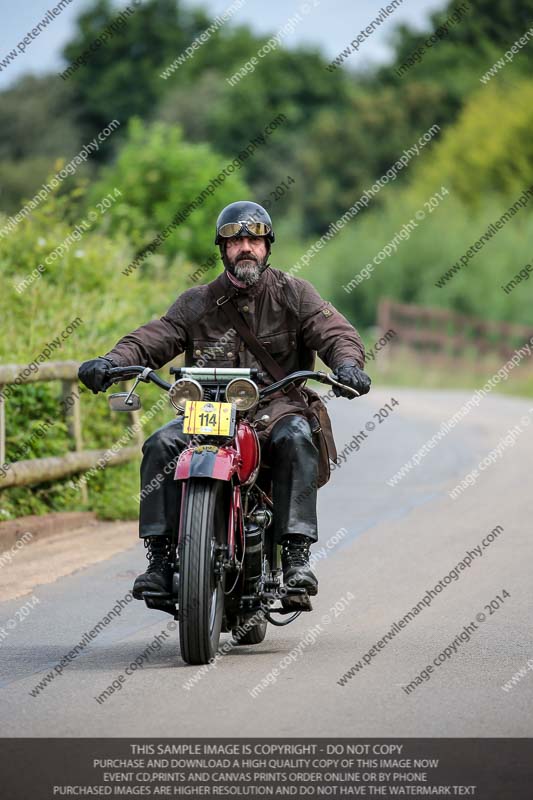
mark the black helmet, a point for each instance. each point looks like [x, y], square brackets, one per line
[243, 212]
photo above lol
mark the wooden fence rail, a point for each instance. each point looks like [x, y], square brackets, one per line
[440, 334]
[37, 470]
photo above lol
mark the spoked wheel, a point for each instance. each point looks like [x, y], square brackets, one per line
[201, 586]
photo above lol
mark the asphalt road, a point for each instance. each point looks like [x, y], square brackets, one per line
[385, 546]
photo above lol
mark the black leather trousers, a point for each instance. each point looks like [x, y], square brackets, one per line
[289, 452]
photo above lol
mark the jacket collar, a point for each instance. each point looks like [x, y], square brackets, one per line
[223, 285]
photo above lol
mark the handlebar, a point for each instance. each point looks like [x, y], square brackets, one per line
[322, 377]
[146, 375]
[124, 373]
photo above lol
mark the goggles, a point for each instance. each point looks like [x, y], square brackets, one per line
[230, 229]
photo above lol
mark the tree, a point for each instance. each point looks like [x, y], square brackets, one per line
[121, 79]
[159, 175]
[477, 157]
[37, 127]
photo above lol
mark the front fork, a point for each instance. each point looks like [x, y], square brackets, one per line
[227, 554]
[235, 525]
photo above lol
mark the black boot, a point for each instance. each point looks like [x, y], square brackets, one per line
[297, 572]
[158, 576]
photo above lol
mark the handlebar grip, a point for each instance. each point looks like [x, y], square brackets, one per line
[123, 371]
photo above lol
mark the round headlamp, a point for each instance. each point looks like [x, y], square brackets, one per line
[184, 389]
[243, 393]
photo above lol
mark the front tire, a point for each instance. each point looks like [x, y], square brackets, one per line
[201, 590]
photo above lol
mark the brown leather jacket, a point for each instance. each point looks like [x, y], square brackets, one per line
[287, 315]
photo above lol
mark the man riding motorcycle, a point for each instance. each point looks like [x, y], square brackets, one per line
[292, 323]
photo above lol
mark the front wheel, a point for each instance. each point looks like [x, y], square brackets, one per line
[201, 586]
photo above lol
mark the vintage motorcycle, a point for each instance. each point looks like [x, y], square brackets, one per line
[226, 568]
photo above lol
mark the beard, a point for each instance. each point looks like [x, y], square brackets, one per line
[247, 268]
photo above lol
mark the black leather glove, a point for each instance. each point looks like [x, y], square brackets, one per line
[95, 374]
[351, 376]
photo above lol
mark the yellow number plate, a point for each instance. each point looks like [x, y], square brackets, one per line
[209, 419]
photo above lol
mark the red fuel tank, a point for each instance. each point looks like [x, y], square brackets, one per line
[250, 452]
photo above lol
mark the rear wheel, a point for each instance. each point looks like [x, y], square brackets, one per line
[201, 585]
[254, 634]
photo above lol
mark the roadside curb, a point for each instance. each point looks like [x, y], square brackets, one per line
[41, 526]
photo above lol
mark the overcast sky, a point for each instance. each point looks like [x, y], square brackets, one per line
[330, 26]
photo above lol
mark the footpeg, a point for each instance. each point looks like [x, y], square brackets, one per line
[297, 602]
[162, 601]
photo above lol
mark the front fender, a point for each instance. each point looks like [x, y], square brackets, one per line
[207, 461]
